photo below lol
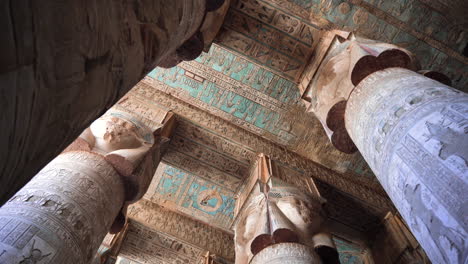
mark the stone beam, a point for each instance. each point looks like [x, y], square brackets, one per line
[183, 228]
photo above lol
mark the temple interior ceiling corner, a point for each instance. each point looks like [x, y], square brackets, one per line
[248, 93]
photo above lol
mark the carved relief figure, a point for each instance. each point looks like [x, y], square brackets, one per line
[453, 142]
[445, 238]
[127, 143]
[35, 255]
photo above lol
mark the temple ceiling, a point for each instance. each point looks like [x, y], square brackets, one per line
[241, 98]
[435, 31]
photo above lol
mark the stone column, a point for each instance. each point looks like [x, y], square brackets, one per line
[278, 222]
[62, 63]
[413, 132]
[409, 127]
[63, 214]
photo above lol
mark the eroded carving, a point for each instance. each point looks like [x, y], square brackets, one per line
[346, 64]
[271, 213]
[412, 131]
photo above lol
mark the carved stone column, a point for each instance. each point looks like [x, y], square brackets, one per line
[411, 129]
[63, 214]
[413, 132]
[276, 221]
[63, 63]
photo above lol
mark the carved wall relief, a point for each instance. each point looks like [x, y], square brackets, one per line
[258, 101]
[269, 36]
[63, 214]
[217, 129]
[413, 133]
[183, 228]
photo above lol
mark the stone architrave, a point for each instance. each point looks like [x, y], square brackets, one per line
[413, 132]
[276, 221]
[63, 214]
[394, 243]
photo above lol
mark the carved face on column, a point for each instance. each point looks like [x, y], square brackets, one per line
[347, 63]
[127, 144]
[287, 215]
[112, 133]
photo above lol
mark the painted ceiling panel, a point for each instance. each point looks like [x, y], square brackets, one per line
[268, 36]
[431, 29]
[233, 141]
[350, 253]
[193, 196]
[258, 100]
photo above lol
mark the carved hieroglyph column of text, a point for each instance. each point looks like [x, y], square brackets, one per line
[63, 214]
[413, 132]
[277, 221]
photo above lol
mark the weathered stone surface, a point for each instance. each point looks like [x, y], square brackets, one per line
[286, 253]
[348, 62]
[63, 214]
[183, 228]
[145, 245]
[236, 143]
[68, 208]
[64, 62]
[270, 211]
[412, 131]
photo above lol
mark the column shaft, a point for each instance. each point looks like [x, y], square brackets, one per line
[62, 63]
[413, 132]
[63, 214]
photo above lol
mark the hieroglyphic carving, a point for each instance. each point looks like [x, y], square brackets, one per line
[243, 153]
[74, 201]
[435, 37]
[269, 36]
[183, 228]
[342, 208]
[63, 214]
[193, 196]
[286, 253]
[194, 166]
[146, 246]
[370, 192]
[399, 120]
[209, 156]
[236, 90]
